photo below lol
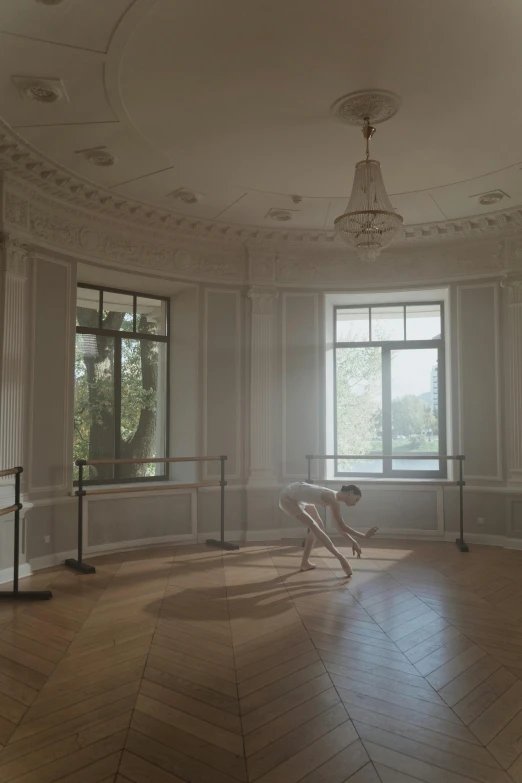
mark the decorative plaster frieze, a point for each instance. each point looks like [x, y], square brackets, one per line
[261, 264]
[71, 230]
[34, 217]
[26, 164]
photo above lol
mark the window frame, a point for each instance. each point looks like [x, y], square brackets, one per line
[134, 335]
[387, 346]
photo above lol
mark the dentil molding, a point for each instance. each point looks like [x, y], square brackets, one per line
[32, 217]
[28, 165]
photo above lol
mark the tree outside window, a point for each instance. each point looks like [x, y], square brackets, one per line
[121, 371]
[389, 399]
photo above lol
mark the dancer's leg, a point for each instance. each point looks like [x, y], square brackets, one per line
[319, 533]
[306, 565]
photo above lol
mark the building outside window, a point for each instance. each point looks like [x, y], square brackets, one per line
[389, 389]
[121, 382]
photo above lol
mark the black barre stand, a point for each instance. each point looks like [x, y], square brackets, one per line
[15, 594]
[221, 543]
[463, 547]
[79, 565]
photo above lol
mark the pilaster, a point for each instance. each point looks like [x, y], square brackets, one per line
[514, 285]
[262, 468]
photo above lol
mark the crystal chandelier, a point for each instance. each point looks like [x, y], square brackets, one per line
[369, 223]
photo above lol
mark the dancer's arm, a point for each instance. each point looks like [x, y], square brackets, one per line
[368, 534]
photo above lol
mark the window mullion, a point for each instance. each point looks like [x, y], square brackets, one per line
[386, 410]
[117, 400]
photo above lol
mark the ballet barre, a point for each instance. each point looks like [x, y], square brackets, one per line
[78, 564]
[16, 594]
[460, 483]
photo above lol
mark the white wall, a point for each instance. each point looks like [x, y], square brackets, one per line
[209, 380]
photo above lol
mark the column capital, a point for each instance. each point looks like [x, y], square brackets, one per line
[14, 256]
[513, 282]
[263, 298]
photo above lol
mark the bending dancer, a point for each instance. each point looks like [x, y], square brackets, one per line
[299, 500]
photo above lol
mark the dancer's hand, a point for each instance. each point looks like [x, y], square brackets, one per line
[371, 532]
[356, 549]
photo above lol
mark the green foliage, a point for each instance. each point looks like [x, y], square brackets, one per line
[408, 416]
[95, 404]
[358, 399]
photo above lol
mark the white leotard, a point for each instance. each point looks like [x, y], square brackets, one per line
[308, 494]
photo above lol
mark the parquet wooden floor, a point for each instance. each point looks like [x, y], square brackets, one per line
[188, 664]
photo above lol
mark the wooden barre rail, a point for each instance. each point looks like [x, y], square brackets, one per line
[150, 488]
[145, 461]
[10, 509]
[434, 457]
[10, 472]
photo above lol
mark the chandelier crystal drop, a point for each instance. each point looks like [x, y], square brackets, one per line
[370, 223]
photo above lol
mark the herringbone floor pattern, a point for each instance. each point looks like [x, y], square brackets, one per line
[188, 664]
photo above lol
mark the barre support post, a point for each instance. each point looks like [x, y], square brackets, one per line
[78, 564]
[460, 541]
[221, 543]
[15, 593]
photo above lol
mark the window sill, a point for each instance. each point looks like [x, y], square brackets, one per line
[386, 480]
[144, 485]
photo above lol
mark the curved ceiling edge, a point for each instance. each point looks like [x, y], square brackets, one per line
[24, 162]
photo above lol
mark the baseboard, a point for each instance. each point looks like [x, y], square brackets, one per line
[143, 543]
[6, 574]
[297, 533]
[486, 540]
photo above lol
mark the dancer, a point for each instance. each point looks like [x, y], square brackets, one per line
[299, 500]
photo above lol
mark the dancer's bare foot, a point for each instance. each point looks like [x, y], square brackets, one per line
[371, 532]
[308, 566]
[345, 565]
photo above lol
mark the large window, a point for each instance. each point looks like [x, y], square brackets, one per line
[389, 389]
[121, 382]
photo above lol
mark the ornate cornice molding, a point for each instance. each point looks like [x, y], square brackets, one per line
[73, 231]
[35, 218]
[26, 164]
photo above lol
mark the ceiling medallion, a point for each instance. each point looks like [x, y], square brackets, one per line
[490, 198]
[186, 196]
[40, 90]
[370, 222]
[282, 215]
[98, 156]
[353, 108]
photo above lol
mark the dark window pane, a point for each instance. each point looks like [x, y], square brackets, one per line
[415, 408]
[423, 322]
[118, 311]
[143, 414]
[353, 325]
[387, 323]
[359, 407]
[88, 307]
[151, 316]
[94, 424]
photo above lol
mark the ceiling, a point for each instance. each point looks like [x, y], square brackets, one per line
[230, 100]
